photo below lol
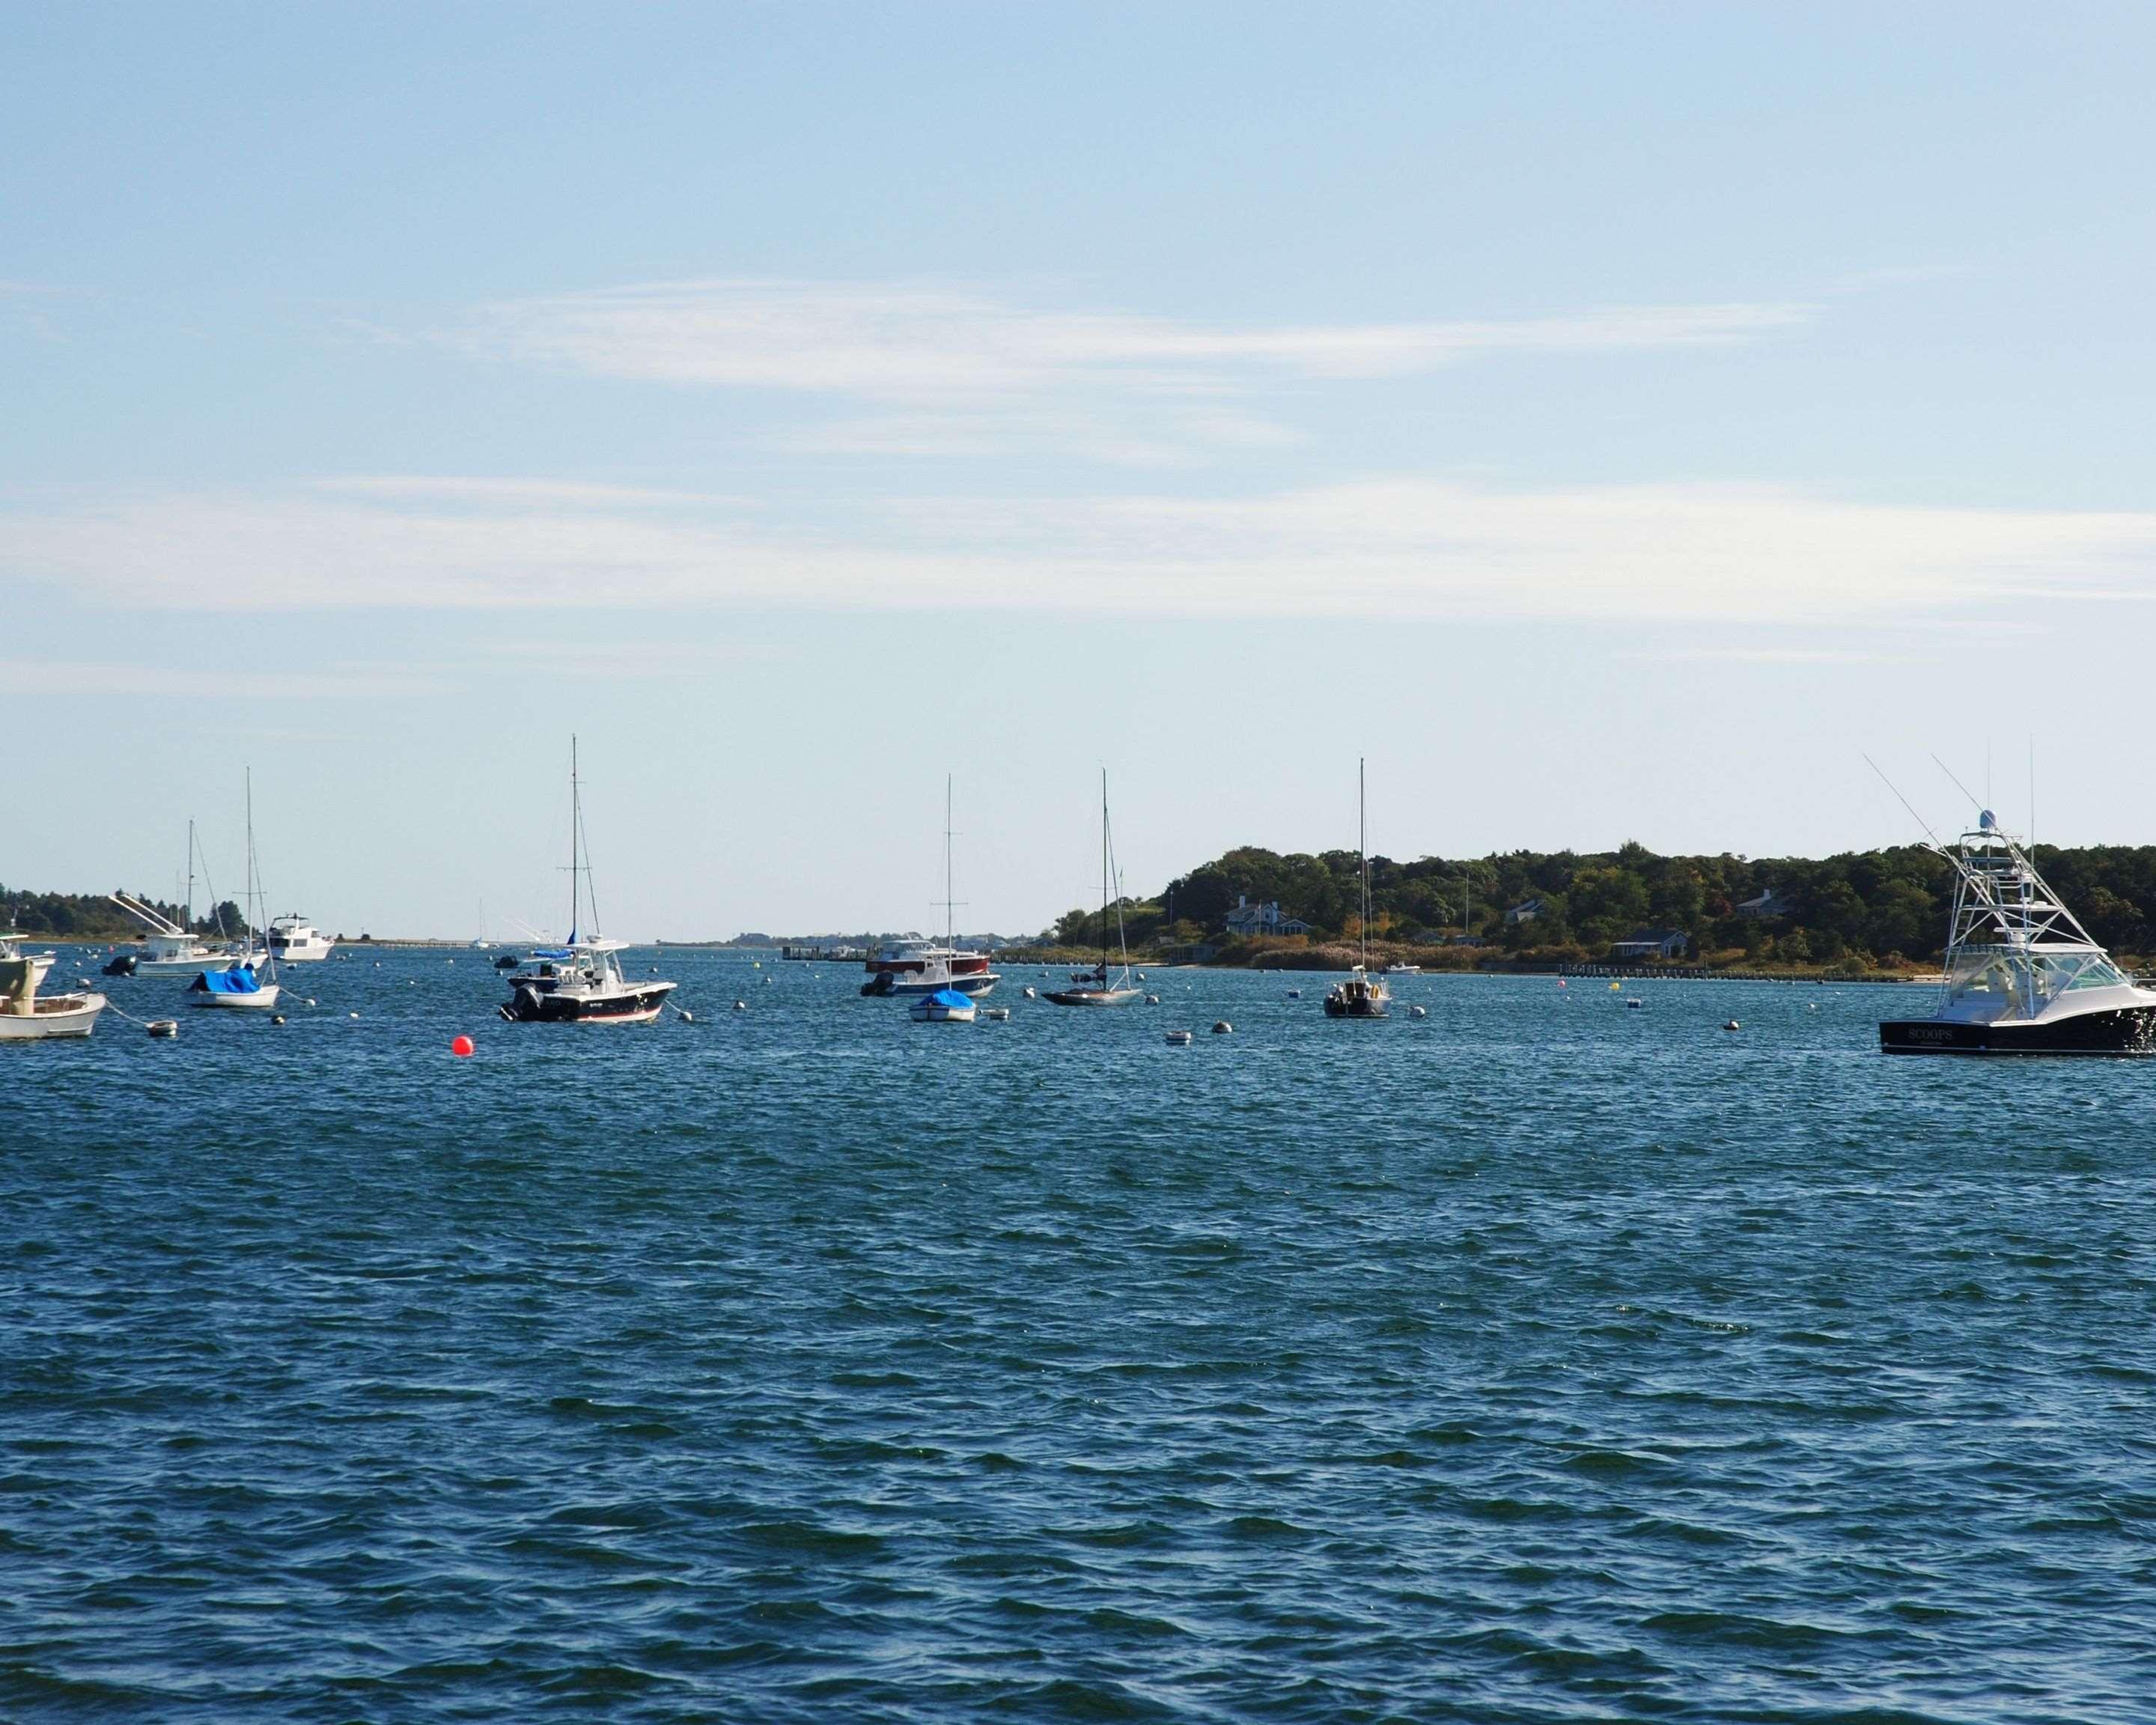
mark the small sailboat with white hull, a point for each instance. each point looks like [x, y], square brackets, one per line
[1101, 986]
[1362, 995]
[580, 982]
[946, 1005]
[2022, 975]
[237, 985]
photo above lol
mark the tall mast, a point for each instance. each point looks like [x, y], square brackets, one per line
[249, 910]
[1104, 877]
[1363, 854]
[190, 927]
[576, 825]
[950, 907]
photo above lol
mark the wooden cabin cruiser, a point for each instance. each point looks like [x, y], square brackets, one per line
[25, 1015]
[2022, 975]
[580, 981]
[293, 940]
[581, 984]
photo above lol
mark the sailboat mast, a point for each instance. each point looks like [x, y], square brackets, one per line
[1362, 853]
[1104, 877]
[950, 907]
[250, 911]
[576, 825]
[190, 927]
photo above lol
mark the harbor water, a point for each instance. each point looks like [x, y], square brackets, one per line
[1540, 1359]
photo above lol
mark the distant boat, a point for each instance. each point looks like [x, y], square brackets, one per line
[173, 948]
[294, 940]
[580, 981]
[1361, 996]
[238, 986]
[1403, 970]
[946, 1005]
[2022, 974]
[482, 944]
[1099, 988]
[24, 1016]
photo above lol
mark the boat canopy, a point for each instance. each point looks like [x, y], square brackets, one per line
[239, 979]
[950, 999]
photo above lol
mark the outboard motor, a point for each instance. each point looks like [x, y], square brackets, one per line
[122, 964]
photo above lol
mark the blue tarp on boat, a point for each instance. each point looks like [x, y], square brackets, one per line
[237, 980]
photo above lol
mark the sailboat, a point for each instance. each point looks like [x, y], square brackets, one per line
[1361, 996]
[580, 982]
[482, 944]
[1096, 987]
[173, 948]
[947, 1005]
[238, 986]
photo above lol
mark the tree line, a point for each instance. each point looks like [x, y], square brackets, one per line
[1878, 907]
[91, 916]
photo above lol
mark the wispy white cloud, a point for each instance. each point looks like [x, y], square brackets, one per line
[1394, 548]
[913, 342]
[933, 371]
[204, 682]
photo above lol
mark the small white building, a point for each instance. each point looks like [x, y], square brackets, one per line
[1769, 903]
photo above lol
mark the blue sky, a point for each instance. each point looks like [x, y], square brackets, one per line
[1609, 422]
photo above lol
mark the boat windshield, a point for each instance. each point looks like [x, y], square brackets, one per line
[2023, 981]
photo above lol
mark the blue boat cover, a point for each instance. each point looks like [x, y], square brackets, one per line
[552, 952]
[951, 998]
[237, 980]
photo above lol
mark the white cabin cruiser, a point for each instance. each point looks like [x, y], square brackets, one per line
[24, 1017]
[293, 940]
[2022, 975]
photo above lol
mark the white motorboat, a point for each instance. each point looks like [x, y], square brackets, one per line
[238, 986]
[580, 982]
[2022, 974]
[25, 1016]
[1099, 987]
[1362, 995]
[293, 940]
[173, 948]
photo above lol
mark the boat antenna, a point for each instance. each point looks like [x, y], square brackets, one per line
[1906, 804]
[1959, 786]
[2032, 792]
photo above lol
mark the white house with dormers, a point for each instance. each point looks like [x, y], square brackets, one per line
[1249, 919]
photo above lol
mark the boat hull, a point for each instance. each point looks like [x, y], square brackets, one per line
[263, 999]
[2120, 1030]
[1091, 997]
[1336, 1009]
[186, 967]
[893, 985]
[56, 1019]
[638, 1005]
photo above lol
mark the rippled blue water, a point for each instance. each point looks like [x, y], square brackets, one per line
[1539, 1360]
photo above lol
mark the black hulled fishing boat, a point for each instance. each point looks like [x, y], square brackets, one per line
[2022, 975]
[1362, 995]
[580, 981]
